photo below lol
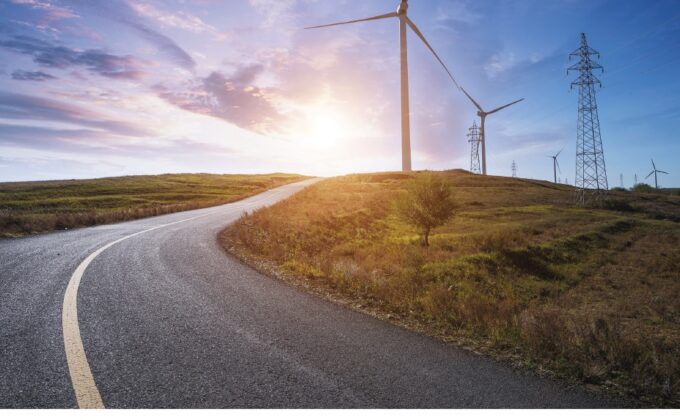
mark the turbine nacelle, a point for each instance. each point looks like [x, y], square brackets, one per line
[403, 7]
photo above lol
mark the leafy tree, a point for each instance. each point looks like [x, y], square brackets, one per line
[427, 203]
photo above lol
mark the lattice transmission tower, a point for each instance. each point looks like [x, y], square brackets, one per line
[514, 169]
[475, 139]
[591, 172]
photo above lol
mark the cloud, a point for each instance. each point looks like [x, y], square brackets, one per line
[275, 12]
[234, 99]
[52, 12]
[34, 76]
[458, 11]
[23, 107]
[61, 57]
[500, 63]
[120, 11]
[98, 142]
[165, 44]
[180, 20]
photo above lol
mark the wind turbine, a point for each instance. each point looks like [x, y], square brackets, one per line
[482, 130]
[404, 22]
[655, 172]
[556, 165]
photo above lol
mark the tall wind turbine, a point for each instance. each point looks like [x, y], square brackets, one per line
[404, 22]
[482, 130]
[556, 165]
[655, 172]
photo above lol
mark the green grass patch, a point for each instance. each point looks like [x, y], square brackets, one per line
[33, 207]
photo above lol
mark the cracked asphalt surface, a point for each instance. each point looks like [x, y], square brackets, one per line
[168, 319]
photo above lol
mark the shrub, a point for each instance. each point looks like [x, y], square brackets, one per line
[642, 187]
[427, 203]
[617, 205]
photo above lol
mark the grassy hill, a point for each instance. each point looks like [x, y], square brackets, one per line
[519, 272]
[32, 207]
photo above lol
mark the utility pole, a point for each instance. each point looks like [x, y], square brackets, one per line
[514, 169]
[475, 140]
[591, 172]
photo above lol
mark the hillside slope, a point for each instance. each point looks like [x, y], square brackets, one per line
[519, 272]
[33, 207]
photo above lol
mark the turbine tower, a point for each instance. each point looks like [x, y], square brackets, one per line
[482, 116]
[404, 24]
[591, 172]
[474, 140]
[656, 173]
[556, 165]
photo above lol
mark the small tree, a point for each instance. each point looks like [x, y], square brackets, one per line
[642, 187]
[427, 203]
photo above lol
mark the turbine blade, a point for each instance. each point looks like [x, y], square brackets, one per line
[650, 174]
[386, 16]
[663, 172]
[557, 155]
[559, 170]
[470, 98]
[653, 164]
[505, 106]
[422, 37]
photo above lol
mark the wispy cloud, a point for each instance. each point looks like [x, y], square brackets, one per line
[99, 62]
[120, 11]
[32, 108]
[180, 19]
[275, 12]
[500, 63]
[459, 11]
[51, 10]
[33, 76]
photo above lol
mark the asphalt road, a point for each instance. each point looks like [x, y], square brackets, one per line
[167, 319]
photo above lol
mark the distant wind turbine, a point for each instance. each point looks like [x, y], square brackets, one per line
[404, 21]
[556, 165]
[482, 130]
[655, 172]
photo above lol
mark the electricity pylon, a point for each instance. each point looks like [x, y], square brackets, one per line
[591, 172]
[514, 169]
[475, 140]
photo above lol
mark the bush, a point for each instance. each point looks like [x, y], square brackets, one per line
[617, 205]
[642, 187]
[427, 204]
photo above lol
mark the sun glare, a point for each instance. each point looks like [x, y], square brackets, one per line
[326, 126]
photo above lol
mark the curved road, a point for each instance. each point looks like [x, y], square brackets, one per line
[167, 319]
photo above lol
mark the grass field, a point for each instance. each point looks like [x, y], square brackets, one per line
[590, 294]
[33, 207]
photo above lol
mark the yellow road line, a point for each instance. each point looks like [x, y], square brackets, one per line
[82, 380]
[84, 386]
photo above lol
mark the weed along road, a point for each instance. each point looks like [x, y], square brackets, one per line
[153, 313]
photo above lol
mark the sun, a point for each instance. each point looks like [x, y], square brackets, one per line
[326, 126]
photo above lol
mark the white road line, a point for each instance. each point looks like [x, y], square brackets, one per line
[87, 394]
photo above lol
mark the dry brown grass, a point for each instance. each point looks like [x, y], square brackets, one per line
[33, 207]
[587, 293]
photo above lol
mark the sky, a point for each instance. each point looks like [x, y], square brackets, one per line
[124, 87]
